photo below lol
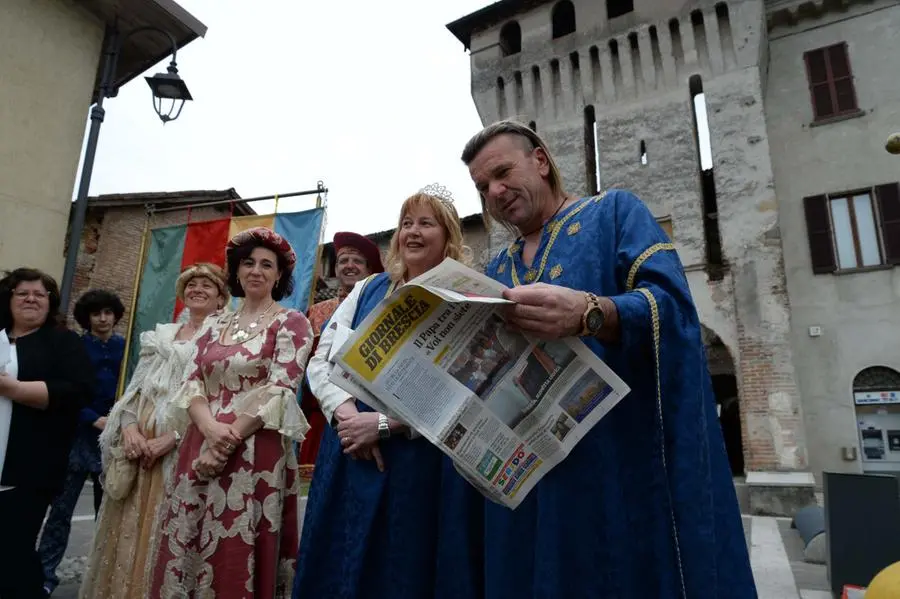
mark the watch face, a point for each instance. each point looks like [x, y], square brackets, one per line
[594, 320]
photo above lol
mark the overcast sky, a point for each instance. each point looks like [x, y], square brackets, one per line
[373, 98]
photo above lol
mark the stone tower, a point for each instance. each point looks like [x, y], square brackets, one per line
[611, 87]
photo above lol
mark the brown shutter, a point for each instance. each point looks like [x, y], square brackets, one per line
[845, 94]
[889, 208]
[818, 228]
[819, 84]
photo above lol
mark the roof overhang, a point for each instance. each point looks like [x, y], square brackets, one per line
[174, 199]
[490, 15]
[143, 50]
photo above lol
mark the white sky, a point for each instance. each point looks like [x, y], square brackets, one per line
[373, 98]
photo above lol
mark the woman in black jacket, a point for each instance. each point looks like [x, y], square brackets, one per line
[43, 385]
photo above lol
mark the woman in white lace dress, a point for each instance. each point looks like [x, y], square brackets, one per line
[137, 450]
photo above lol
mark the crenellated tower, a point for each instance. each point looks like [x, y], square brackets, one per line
[665, 98]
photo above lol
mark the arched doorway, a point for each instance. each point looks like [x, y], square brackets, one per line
[876, 399]
[725, 388]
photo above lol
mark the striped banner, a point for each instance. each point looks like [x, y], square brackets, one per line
[172, 249]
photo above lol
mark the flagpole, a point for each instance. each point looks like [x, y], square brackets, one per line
[134, 298]
[312, 288]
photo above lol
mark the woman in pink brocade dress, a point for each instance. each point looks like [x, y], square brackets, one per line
[229, 529]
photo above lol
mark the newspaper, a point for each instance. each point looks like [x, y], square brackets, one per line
[437, 354]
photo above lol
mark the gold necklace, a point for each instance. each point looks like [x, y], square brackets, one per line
[534, 274]
[239, 334]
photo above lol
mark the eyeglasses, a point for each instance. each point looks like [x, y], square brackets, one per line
[39, 295]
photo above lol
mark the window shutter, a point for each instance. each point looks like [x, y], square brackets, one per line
[889, 208]
[840, 64]
[818, 228]
[845, 94]
[819, 87]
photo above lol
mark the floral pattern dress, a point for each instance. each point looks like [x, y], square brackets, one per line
[236, 535]
[121, 557]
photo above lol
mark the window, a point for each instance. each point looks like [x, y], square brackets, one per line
[830, 82]
[618, 8]
[854, 230]
[563, 19]
[666, 223]
[510, 39]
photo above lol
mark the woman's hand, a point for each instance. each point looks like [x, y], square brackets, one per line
[221, 437]
[210, 463]
[359, 437]
[157, 448]
[345, 410]
[133, 442]
[100, 423]
[7, 385]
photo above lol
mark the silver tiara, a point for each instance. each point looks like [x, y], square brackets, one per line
[438, 191]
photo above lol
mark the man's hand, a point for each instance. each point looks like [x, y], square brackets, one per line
[100, 423]
[546, 311]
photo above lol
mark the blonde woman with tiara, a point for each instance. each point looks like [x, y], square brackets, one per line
[138, 452]
[387, 515]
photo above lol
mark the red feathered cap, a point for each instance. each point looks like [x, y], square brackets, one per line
[361, 244]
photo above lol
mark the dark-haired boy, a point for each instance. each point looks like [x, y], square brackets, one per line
[97, 312]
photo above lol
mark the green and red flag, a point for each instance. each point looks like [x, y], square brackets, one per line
[171, 249]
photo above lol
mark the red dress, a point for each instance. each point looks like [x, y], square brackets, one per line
[235, 536]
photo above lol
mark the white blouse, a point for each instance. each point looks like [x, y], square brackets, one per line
[330, 396]
[6, 409]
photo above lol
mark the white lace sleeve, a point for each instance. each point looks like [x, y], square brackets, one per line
[124, 411]
[329, 395]
[275, 400]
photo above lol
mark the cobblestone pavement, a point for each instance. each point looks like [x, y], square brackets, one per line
[776, 554]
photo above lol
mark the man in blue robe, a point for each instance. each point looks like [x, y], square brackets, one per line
[644, 506]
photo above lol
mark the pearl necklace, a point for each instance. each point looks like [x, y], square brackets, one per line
[239, 334]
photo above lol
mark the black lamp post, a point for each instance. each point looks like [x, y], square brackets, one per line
[168, 89]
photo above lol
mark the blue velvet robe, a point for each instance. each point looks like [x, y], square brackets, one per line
[644, 506]
[411, 532]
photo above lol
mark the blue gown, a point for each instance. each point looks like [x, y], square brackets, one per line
[412, 532]
[644, 506]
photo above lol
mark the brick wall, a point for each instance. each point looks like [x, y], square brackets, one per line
[110, 248]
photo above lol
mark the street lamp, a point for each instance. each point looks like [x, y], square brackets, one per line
[166, 87]
[893, 143]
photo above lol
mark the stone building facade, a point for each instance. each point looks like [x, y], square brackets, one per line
[115, 224]
[837, 186]
[613, 87]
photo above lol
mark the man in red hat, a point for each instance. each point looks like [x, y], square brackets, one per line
[356, 257]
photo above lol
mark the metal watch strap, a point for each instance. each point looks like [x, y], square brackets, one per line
[592, 302]
[384, 429]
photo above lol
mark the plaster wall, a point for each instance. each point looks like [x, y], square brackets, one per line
[50, 51]
[859, 313]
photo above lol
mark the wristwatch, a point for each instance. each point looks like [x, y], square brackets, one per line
[177, 437]
[384, 430]
[592, 319]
